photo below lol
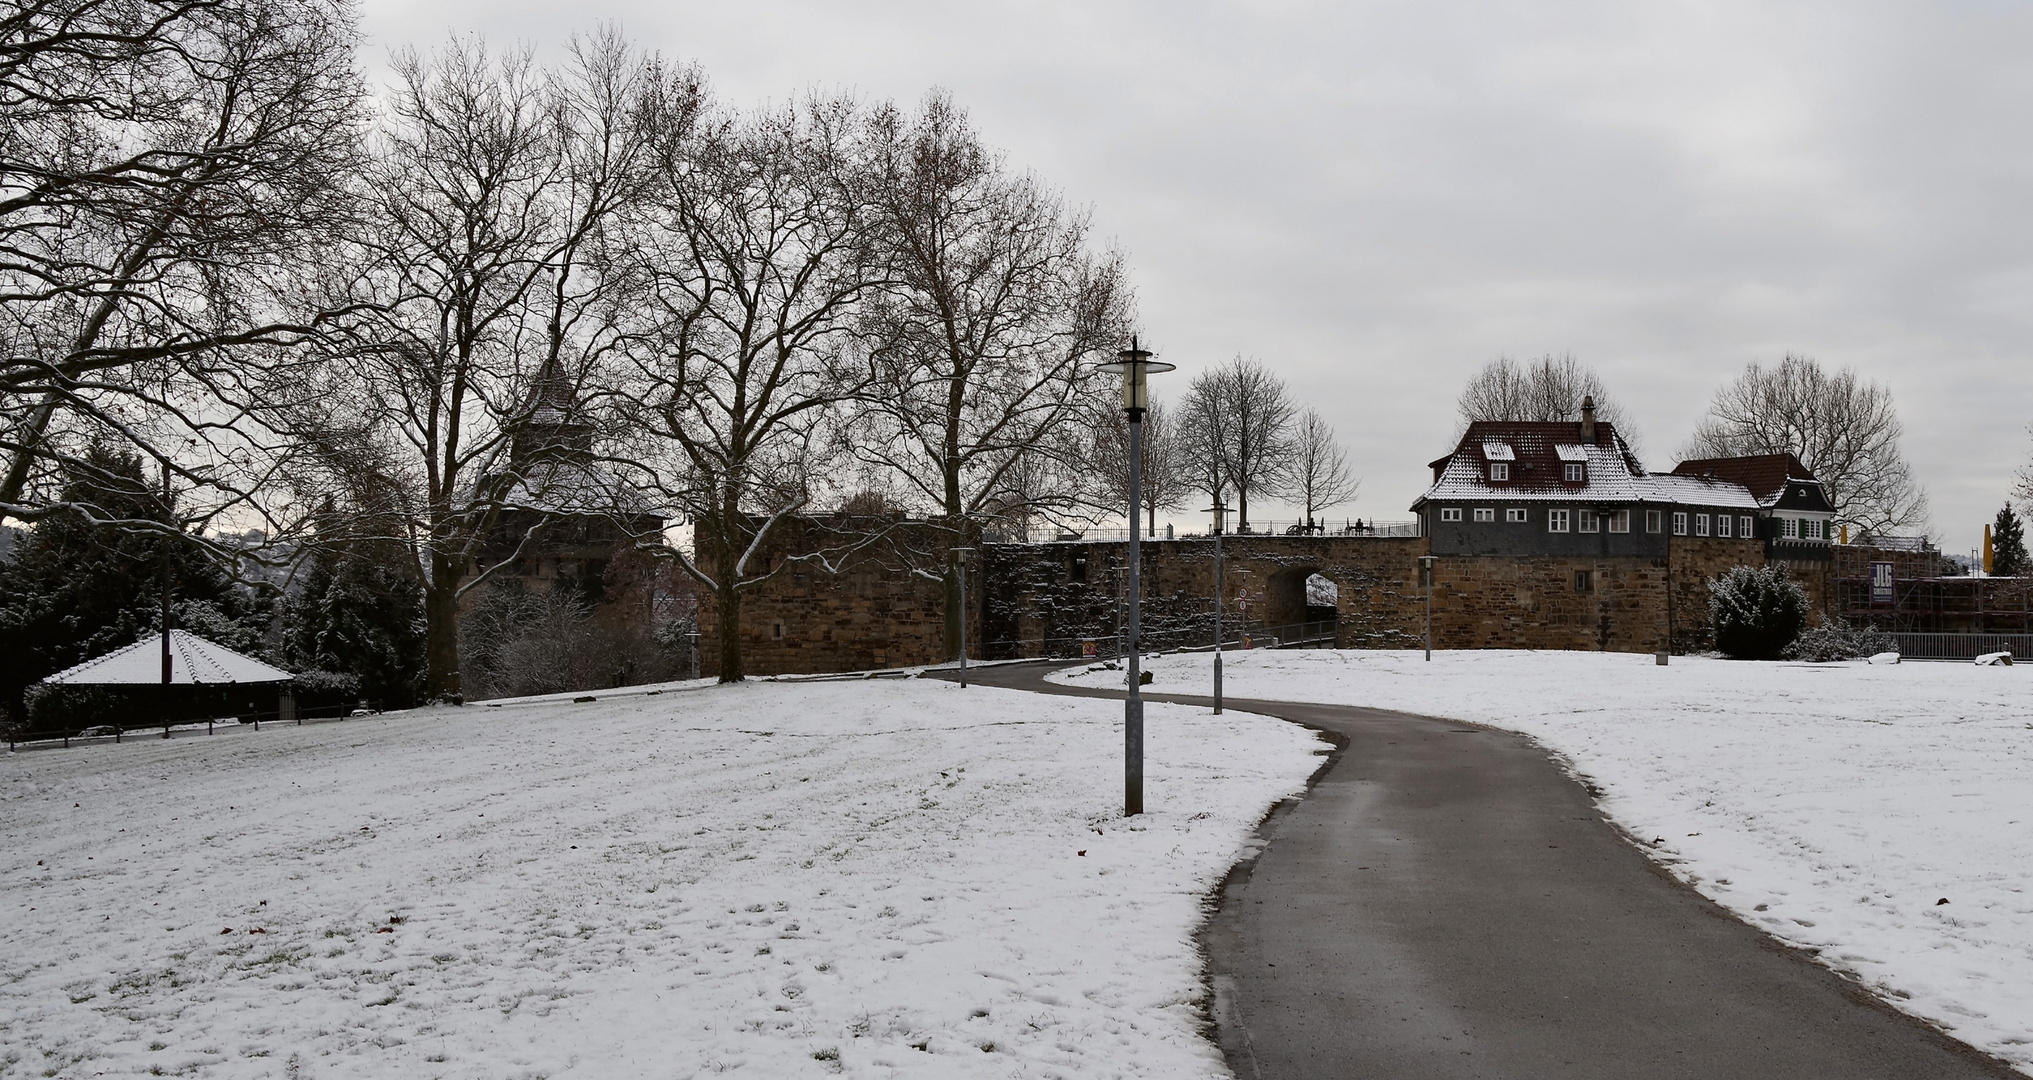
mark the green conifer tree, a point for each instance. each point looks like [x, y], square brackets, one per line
[2008, 544]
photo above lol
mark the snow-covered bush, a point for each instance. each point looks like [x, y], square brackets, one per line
[1756, 612]
[1836, 639]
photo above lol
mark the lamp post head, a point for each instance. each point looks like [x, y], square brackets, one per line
[1134, 364]
[1220, 512]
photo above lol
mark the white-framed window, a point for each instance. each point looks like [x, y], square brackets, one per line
[1556, 521]
[1577, 473]
[1655, 520]
[1789, 528]
[1514, 514]
[1620, 521]
[1701, 524]
[1485, 513]
[1747, 527]
[1810, 529]
[1680, 523]
[1723, 523]
[1499, 470]
[1450, 513]
[1586, 521]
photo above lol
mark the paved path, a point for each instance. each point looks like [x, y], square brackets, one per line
[1444, 902]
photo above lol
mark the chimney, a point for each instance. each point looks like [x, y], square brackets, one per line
[1588, 419]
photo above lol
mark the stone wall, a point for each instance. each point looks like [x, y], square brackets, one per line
[882, 606]
[1046, 599]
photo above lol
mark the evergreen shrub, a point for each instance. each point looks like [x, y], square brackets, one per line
[1756, 612]
[1837, 639]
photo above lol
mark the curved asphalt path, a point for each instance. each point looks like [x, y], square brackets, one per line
[1444, 902]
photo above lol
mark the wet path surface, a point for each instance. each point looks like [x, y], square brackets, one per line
[1445, 902]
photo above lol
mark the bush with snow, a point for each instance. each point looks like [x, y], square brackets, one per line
[1837, 639]
[1756, 612]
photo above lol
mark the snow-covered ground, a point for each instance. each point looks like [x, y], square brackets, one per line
[870, 879]
[1835, 805]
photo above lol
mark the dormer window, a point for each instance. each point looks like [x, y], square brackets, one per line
[1499, 470]
[1576, 473]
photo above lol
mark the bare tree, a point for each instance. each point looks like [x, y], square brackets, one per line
[494, 185]
[1239, 416]
[1548, 389]
[1320, 474]
[984, 338]
[1166, 483]
[168, 171]
[1844, 429]
[755, 252]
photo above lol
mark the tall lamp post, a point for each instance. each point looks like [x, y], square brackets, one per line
[1426, 571]
[1220, 512]
[1134, 364]
[960, 557]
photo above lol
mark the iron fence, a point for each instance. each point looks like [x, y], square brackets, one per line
[1186, 639]
[247, 721]
[1348, 528]
[1963, 647]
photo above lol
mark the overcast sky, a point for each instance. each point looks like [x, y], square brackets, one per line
[1378, 198]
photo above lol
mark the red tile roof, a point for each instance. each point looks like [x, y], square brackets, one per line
[1764, 474]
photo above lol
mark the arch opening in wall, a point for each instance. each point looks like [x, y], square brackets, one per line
[1286, 595]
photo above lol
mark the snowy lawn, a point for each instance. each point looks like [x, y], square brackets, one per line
[869, 879]
[1835, 805]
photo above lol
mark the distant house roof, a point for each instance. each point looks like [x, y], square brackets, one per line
[1536, 453]
[193, 661]
[1764, 474]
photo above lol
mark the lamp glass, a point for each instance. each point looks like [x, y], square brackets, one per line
[1135, 366]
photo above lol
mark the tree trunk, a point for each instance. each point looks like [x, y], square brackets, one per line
[441, 632]
[727, 599]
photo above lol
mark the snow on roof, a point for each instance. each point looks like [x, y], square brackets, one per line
[1765, 474]
[572, 487]
[1498, 451]
[193, 661]
[1613, 475]
[1700, 491]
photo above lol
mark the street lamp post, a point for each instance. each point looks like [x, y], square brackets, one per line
[1134, 364]
[692, 644]
[1426, 570]
[960, 557]
[1220, 511]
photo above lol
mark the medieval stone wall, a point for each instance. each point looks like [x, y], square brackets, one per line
[879, 607]
[885, 609]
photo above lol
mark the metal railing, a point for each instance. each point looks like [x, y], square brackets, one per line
[1964, 647]
[247, 721]
[1257, 530]
[1316, 634]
